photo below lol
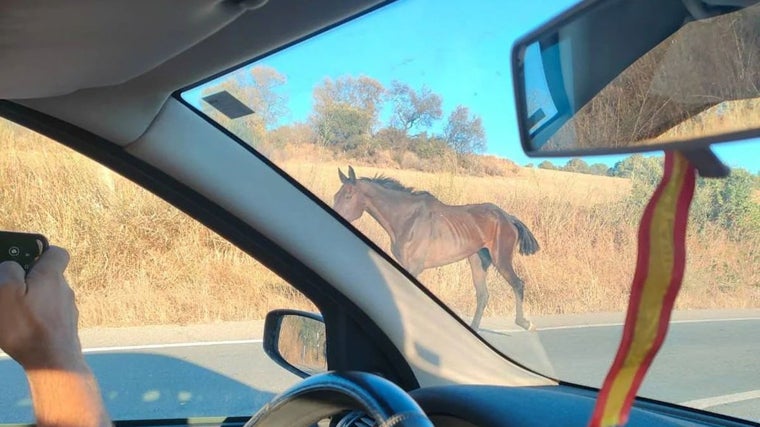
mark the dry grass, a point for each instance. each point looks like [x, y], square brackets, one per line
[137, 260]
[726, 117]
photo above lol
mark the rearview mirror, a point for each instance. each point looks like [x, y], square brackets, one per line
[296, 341]
[620, 76]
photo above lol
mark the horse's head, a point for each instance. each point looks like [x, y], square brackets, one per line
[349, 201]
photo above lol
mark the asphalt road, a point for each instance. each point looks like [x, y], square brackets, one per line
[709, 364]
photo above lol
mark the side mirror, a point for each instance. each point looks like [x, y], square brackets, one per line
[296, 340]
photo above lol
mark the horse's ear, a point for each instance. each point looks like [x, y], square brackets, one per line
[351, 175]
[343, 177]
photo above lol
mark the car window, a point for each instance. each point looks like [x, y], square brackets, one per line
[171, 314]
[413, 102]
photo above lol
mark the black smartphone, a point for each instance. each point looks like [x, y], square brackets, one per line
[24, 248]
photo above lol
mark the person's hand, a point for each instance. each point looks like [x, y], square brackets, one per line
[38, 317]
[38, 328]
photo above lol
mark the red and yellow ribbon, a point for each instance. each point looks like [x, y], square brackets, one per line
[659, 272]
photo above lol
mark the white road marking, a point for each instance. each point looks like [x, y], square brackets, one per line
[254, 341]
[160, 346]
[709, 402]
[170, 345]
[608, 325]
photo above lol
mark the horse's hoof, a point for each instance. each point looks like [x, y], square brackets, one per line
[526, 324]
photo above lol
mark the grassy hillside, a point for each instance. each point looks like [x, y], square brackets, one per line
[136, 260]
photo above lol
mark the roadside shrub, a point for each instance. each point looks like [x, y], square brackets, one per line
[724, 203]
[547, 165]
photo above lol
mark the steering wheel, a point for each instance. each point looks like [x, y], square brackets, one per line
[324, 395]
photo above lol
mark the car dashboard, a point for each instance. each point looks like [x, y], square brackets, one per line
[486, 405]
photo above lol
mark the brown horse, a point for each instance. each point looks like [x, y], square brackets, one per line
[426, 233]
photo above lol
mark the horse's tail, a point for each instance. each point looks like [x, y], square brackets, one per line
[526, 239]
[528, 243]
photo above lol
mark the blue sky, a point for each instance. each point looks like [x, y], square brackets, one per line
[460, 51]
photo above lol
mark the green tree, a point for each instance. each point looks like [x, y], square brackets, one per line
[298, 133]
[599, 169]
[642, 169]
[576, 165]
[392, 138]
[547, 165]
[464, 132]
[429, 147]
[346, 111]
[413, 110]
[727, 203]
[343, 126]
[645, 173]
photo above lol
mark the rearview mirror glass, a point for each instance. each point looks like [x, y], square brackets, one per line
[296, 340]
[637, 75]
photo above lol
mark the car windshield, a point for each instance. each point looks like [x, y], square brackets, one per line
[403, 121]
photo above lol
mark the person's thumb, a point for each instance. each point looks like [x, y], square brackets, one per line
[12, 281]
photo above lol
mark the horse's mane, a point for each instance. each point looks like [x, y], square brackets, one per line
[394, 184]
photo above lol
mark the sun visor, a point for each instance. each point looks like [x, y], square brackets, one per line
[55, 48]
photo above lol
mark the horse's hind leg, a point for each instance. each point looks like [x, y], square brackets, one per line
[518, 286]
[481, 290]
[504, 249]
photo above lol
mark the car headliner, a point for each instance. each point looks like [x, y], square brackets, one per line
[108, 67]
[128, 102]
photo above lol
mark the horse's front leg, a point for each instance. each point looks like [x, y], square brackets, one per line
[481, 290]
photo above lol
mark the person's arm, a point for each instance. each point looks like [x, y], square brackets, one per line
[38, 329]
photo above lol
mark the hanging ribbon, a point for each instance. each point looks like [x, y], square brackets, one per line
[659, 272]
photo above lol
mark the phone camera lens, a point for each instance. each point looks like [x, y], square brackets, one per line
[14, 251]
